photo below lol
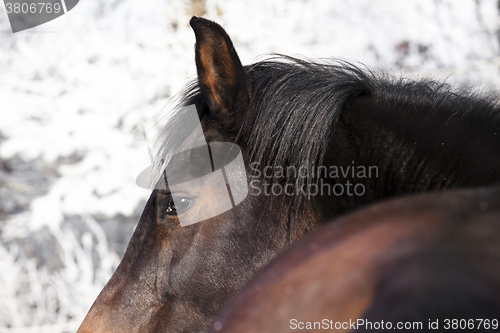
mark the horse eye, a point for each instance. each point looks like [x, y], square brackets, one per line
[180, 206]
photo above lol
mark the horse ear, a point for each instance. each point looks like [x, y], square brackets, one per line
[220, 72]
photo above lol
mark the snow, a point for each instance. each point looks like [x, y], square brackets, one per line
[74, 91]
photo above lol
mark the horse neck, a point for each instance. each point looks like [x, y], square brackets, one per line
[418, 147]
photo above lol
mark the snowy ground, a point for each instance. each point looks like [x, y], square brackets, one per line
[72, 92]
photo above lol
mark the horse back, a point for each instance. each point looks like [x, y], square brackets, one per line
[424, 258]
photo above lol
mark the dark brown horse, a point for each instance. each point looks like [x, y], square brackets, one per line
[428, 262]
[318, 140]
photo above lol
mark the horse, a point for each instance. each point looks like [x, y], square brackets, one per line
[419, 263]
[318, 140]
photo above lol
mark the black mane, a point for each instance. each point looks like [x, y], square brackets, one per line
[295, 105]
